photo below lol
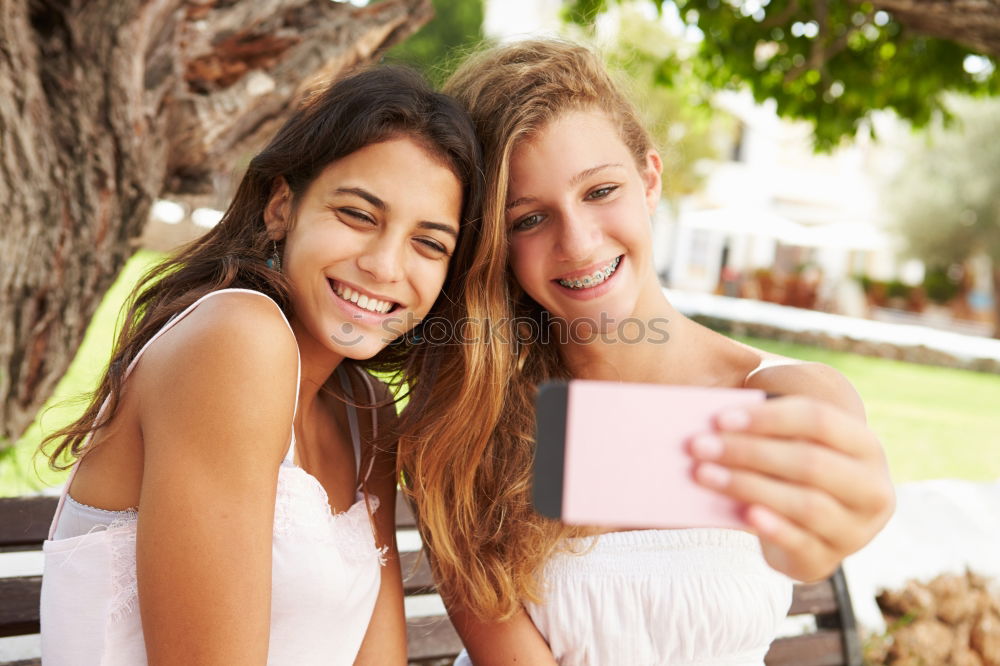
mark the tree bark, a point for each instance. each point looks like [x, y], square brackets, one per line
[106, 105]
[974, 23]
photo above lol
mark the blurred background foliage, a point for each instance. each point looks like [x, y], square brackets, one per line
[829, 62]
[946, 202]
[456, 29]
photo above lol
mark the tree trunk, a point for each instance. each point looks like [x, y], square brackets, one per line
[106, 105]
[974, 23]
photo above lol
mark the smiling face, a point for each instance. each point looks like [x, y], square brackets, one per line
[367, 246]
[578, 210]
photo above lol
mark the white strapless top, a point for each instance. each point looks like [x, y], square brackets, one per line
[681, 597]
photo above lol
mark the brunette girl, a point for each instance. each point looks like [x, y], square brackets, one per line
[227, 505]
[572, 180]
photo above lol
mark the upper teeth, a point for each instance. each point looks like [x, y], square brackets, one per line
[594, 279]
[361, 300]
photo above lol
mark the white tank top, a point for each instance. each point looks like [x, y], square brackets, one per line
[324, 582]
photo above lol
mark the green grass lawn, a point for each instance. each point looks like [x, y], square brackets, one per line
[21, 471]
[934, 422]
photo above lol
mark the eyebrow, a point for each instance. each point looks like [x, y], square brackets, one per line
[384, 207]
[574, 181]
[447, 228]
[366, 195]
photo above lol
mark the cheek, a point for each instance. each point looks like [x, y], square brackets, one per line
[428, 281]
[631, 224]
[526, 263]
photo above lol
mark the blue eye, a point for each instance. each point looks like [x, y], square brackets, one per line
[528, 222]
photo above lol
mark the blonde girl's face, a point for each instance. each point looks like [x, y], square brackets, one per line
[578, 211]
[368, 246]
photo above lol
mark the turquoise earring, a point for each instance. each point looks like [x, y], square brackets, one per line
[274, 262]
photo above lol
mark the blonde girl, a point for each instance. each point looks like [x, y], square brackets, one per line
[572, 180]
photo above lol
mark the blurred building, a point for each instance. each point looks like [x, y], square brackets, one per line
[773, 209]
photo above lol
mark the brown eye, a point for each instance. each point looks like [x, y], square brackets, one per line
[433, 245]
[356, 214]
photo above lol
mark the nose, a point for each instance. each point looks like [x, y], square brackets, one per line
[383, 259]
[578, 237]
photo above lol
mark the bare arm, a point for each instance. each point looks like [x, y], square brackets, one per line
[501, 643]
[813, 473]
[216, 400]
[385, 640]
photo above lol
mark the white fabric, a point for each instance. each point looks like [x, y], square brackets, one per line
[325, 578]
[766, 363]
[688, 597]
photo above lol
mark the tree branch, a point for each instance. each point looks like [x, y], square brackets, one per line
[974, 23]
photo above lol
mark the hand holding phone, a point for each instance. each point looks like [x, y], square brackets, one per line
[613, 454]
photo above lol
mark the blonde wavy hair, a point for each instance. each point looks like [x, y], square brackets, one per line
[467, 440]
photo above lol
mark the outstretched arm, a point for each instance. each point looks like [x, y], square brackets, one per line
[812, 472]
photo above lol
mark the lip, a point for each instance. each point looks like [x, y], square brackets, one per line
[591, 292]
[583, 272]
[357, 313]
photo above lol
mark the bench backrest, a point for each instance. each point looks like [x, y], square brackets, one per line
[24, 524]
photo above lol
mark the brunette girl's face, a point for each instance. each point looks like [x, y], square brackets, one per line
[578, 211]
[367, 247]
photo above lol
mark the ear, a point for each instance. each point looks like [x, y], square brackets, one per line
[278, 212]
[652, 176]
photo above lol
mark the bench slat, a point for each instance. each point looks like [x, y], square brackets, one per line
[19, 610]
[417, 578]
[822, 648]
[404, 516]
[431, 638]
[24, 521]
[813, 599]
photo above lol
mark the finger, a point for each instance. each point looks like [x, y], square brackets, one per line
[852, 483]
[810, 509]
[804, 418]
[790, 549]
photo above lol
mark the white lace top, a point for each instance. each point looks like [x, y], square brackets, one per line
[325, 574]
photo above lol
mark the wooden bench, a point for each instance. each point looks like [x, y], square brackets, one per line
[24, 524]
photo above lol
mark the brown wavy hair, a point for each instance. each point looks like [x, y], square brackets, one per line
[466, 451]
[366, 107]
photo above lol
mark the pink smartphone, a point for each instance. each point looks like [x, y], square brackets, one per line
[614, 454]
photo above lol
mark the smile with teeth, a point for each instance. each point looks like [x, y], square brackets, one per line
[594, 279]
[363, 301]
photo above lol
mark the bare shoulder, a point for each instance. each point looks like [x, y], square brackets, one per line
[231, 363]
[229, 325]
[786, 376]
